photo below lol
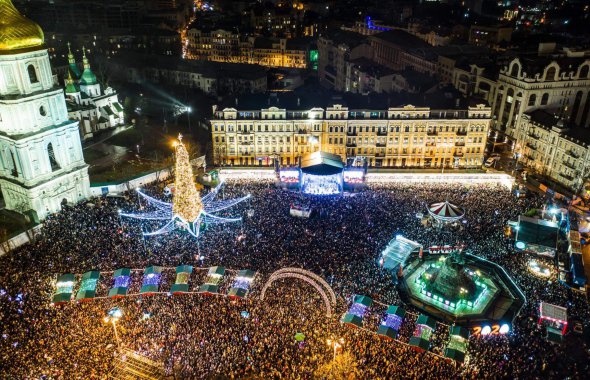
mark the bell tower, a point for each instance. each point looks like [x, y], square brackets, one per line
[41, 161]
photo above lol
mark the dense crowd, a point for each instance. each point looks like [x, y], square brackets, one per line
[195, 336]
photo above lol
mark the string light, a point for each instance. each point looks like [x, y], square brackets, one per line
[187, 210]
[186, 203]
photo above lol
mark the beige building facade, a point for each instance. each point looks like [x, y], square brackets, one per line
[407, 137]
[551, 148]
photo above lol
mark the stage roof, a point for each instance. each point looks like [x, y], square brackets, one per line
[537, 231]
[321, 163]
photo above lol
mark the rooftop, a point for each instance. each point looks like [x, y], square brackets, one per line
[350, 39]
[402, 39]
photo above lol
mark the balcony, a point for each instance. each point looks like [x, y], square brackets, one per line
[460, 143]
[245, 142]
[430, 144]
[533, 136]
[244, 132]
[567, 176]
[381, 132]
[531, 146]
[350, 145]
[462, 132]
[302, 132]
[381, 145]
[379, 154]
[351, 133]
[432, 132]
[569, 165]
[458, 154]
[573, 154]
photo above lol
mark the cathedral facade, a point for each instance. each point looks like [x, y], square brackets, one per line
[41, 161]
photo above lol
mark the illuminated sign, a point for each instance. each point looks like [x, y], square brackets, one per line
[491, 330]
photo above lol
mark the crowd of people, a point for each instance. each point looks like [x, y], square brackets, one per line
[195, 336]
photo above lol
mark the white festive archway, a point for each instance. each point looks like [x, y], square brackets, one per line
[311, 278]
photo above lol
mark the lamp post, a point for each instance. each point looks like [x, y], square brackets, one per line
[113, 316]
[336, 344]
[188, 116]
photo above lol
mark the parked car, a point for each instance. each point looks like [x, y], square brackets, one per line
[491, 161]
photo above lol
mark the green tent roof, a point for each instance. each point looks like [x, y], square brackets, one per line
[396, 310]
[419, 343]
[92, 274]
[118, 292]
[152, 270]
[460, 331]
[88, 78]
[179, 288]
[364, 300]
[122, 272]
[184, 269]
[85, 295]
[217, 270]
[246, 273]
[237, 292]
[387, 332]
[426, 320]
[352, 319]
[61, 298]
[209, 288]
[88, 285]
[118, 107]
[455, 355]
[149, 289]
[68, 277]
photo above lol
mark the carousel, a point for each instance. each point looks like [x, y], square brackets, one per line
[445, 214]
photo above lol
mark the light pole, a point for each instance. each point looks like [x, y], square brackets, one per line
[336, 344]
[188, 116]
[113, 316]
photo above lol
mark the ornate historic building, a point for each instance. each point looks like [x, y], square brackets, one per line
[41, 161]
[394, 137]
[550, 82]
[94, 108]
[552, 147]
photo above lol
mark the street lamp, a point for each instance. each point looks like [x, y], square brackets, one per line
[336, 344]
[113, 316]
[188, 116]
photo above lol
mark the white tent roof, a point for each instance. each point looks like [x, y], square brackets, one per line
[445, 211]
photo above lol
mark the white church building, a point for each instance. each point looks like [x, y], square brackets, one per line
[41, 161]
[94, 108]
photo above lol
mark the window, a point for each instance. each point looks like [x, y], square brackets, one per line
[532, 100]
[32, 74]
[545, 99]
[584, 72]
[52, 161]
[550, 75]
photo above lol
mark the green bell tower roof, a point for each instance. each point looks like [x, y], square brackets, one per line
[88, 78]
[70, 86]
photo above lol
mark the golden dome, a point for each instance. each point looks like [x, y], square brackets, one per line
[16, 31]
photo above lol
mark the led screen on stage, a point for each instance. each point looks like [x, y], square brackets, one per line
[321, 184]
[289, 176]
[353, 176]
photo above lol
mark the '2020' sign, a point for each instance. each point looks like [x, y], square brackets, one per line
[491, 330]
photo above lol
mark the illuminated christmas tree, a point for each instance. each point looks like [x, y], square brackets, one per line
[187, 202]
[187, 210]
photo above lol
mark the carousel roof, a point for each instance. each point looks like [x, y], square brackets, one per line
[446, 211]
